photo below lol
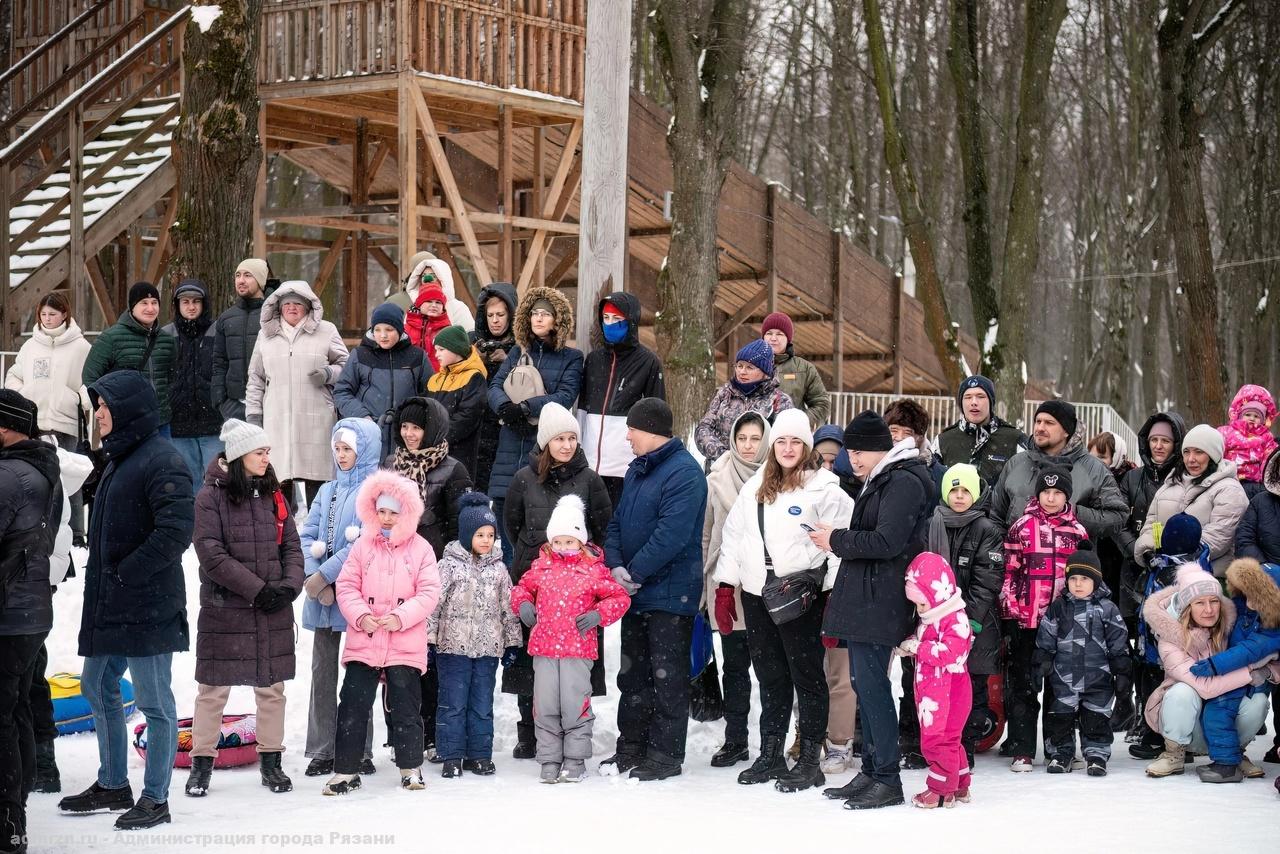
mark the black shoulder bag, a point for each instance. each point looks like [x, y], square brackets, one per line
[790, 596]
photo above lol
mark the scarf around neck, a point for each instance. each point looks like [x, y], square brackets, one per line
[981, 432]
[943, 522]
[415, 465]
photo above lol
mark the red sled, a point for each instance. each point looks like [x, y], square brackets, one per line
[995, 702]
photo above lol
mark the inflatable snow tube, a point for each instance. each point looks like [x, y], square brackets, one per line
[70, 708]
[237, 742]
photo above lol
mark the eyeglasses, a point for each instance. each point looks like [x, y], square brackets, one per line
[542, 312]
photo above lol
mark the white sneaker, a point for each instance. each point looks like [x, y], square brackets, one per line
[1021, 764]
[838, 758]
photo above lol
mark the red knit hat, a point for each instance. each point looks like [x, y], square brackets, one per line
[612, 309]
[781, 322]
[431, 293]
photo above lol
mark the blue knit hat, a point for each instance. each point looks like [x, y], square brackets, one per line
[473, 516]
[758, 353]
[829, 433]
[390, 314]
[976, 381]
[1181, 535]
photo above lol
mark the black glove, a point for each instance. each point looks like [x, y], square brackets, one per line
[267, 600]
[509, 656]
[284, 598]
[511, 414]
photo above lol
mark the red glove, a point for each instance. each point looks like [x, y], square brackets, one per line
[726, 609]
[830, 642]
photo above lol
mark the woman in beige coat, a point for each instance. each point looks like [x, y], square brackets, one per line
[296, 360]
[1204, 485]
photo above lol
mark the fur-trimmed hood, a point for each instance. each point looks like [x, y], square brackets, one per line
[270, 317]
[1271, 474]
[1260, 585]
[402, 490]
[564, 317]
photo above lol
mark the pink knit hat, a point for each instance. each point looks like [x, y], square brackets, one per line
[1194, 582]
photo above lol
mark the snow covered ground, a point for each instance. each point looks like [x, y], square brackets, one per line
[703, 810]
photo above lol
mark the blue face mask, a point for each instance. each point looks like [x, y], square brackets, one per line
[616, 333]
[386, 532]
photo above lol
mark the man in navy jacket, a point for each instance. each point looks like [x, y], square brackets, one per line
[654, 544]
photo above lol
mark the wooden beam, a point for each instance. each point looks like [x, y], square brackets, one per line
[336, 222]
[98, 283]
[162, 240]
[552, 201]
[557, 273]
[407, 162]
[379, 157]
[870, 383]
[837, 313]
[330, 261]
[260, 190]
[771, 248]
[533, 201]
[385, 262]
[75, 221]
[749, 308]
[450, 187]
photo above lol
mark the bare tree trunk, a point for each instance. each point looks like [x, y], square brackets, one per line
[846, 148]
[6, 39]
[700, 45]
[217, 151]
[1183, 39]
[1022, 238]
[937, 320]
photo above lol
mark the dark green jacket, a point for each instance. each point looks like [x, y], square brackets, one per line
[121, 348]
[799, 379]
[954, 446]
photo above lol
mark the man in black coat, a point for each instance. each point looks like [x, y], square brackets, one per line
[30, 512]
[868, 608]
[235, 334]
[195, 422]
[135, 603]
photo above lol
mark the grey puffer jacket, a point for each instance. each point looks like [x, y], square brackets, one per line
[1218, 501]
[1088, 643]
[474, 617]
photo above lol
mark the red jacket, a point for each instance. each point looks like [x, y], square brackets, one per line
[422, 329]
[561, 589]
[1035, 562]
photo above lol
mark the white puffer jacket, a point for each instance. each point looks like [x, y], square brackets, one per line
[47, 372]
[742, 548]
[1219, 502]
[73, 470]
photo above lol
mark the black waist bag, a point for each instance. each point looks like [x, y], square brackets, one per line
[790, 596]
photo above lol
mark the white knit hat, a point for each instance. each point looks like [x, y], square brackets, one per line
[241, 437]
[1202, 437]
[387, 501]
[568, 519]
[553, 420]
[255, 267]
[791, 423]
[348, 437]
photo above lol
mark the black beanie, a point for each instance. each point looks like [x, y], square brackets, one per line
[17, 413]
[1054, 478]
[652, 415]
[1062, 412]
[140, 291]
[414, 413]
[1084, 561]
[868, 432]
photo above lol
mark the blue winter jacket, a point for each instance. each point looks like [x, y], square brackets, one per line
[332, 513]
[1250, 642]
[561, 372]
[656, 530]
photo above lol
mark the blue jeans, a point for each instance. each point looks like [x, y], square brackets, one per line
[100, 684]
[198, 452]
[464, 715]
[869, 668]
[165, 430]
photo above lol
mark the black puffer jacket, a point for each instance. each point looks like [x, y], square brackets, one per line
[1137, 487]
[441, 486]
[493, 350]
[889, 527]
[977, 558]
[135, 601]
[1258, 535]
[30, 512]
[235, 333]
[191, 375]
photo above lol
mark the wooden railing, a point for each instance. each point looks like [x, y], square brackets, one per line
[537, 45]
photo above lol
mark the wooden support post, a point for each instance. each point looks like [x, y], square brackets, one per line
[837, 313]
[559, 184]
[8, 325]
[158, 260]
[407, 161]
[899, 295]
[771, 249]
[260, 192]
[330, 261]
[536, 199]
[99, 284]
[75, 213]
[602, 244]
[740, 316]
[557, 273]
[385, 262]
[356, 296]
[449, 186]
[506, 185]
[135, 253]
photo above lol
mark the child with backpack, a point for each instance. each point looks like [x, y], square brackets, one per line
[472, 629]
[387, 589]
[563, 597]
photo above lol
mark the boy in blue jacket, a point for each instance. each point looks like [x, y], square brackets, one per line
[1255, 639]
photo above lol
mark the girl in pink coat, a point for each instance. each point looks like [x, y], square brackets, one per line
[563, 597]
[387, 589]
[1247, 438]
[944, 695]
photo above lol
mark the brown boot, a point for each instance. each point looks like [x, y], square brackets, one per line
[793, 752]
[1172, 761]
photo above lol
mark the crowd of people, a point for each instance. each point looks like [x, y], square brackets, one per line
[462, 503]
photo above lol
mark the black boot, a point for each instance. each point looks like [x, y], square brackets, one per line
[47, 779]
[319, 767]
[875, 796]
[769, 765]
[851, 789]
[806, 773]
[273, 777]
[731, 754]
[145, 813]
[526, 743]
[97, 799]
[198, 780]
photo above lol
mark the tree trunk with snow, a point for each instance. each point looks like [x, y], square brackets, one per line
[216, 149]
[700, 46]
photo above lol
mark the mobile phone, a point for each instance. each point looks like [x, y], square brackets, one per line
[808, 527]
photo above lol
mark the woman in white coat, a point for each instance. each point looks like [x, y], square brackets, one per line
[298, 357]
[1204, 485]
[791, 491]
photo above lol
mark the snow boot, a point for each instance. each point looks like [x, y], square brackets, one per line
[452, 769]
[1058, 766]
[838, 758]
[319, 767]
[367, 768]
[793, 752]
[963, 796]
[769, 765]
[928, 800]
[1216, 772]
[483, 767]
[273, 776]
[341, 784]
[619, 764]
[875, 796]
[731, 754]
[1172, 761]
[145, 813]
[1097, 768]
[1250, 771]
[97, 799]
[1272, 755]
[573, 771]
[912, 760]
[47, 778]
[198, 780]
[651, 771]
[1022, 764]
[550, 772]
[411, 779]
[851, 789]
[526, 741]
[806, 773]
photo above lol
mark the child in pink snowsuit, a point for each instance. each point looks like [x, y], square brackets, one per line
[1247, 439]
[944, 695]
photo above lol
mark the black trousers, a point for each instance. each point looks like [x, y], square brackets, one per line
[614, 487]
[869, 668]
[404, 702]
[1022, 683]
[41, 701]
[653, 678]
[430, 694]
[1060, 735]
[788, 661]
[735, 678]
[18, 654]
[908, 723]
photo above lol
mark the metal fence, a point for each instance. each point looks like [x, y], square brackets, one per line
[943, 412]
[6, 359]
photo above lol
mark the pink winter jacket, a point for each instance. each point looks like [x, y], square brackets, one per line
[943, 636]
[1248, 445]
[388, 575]
[1035, 562]
[562, 589]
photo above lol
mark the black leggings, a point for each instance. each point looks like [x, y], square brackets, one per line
[788, 661]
